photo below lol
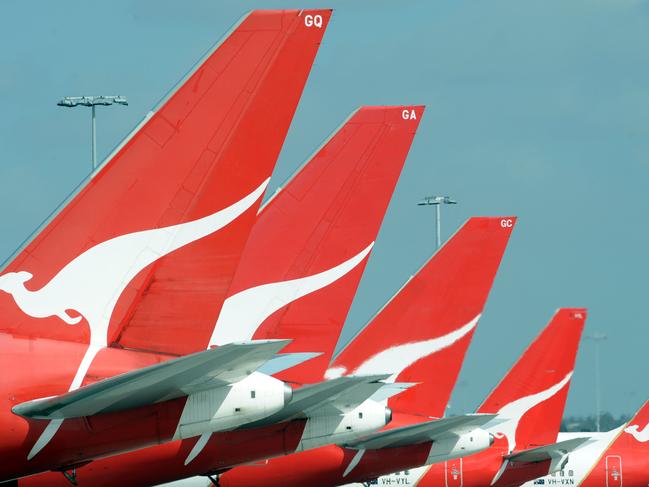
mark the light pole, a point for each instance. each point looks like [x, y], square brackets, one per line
[597, 338]
[92, 102]
[438, 201]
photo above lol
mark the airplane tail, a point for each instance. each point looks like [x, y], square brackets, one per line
[530, 399]
[423, 332]
[154, 236]
[308, 249]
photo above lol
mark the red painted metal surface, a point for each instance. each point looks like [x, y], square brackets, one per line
[213, 142]
[331, 209]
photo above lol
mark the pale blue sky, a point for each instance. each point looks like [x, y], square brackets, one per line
[538, 109]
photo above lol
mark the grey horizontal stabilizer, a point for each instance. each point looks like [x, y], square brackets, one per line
[547, 452]
[160, 382]
[327, 394]
[283, 361]
[421, 432]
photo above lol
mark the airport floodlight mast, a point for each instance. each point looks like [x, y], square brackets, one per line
[438, 201]
[92, 102]
[597, 338]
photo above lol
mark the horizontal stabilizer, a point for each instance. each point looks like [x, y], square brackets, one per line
[421, 432]
[164, 381]
[284, 361]
[335, 394]
[391, 389]
[354, 396]
[547, 452]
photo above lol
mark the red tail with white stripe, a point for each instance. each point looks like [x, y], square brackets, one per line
[142, 256]
[211, 145]
[422, 334]
[529, 403]
[533, 394]
[306, 254]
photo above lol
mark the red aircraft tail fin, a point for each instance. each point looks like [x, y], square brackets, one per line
[423, 332]
[307, 251]
[153, 239]
[530, 399]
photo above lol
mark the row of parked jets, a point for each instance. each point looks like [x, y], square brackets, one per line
[166, 327]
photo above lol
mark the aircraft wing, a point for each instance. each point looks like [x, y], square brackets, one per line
[160, 382]
[420, 432]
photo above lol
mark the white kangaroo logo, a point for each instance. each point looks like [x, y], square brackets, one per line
[243, 312]
[92, 283]
[395, 360]
[641, 436]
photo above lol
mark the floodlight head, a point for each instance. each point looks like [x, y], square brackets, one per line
[437, 200]
[100, 100]
[447, 200]
[66, 102]
[89, 101]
